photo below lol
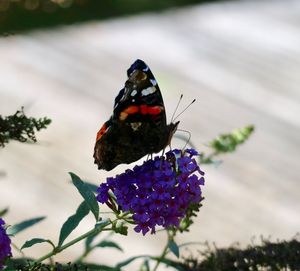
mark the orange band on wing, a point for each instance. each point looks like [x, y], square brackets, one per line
[101, 132]
[142, 109]
[131, 110]
[154, 110]
[151, 110]
[128, 111]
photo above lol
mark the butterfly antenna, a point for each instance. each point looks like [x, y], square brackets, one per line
[176, 107]
[185, 109]
[189, 138]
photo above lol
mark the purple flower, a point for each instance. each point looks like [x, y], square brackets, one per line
[103, 195]
[5, 250]
[160, 192]
[192, 152]
[186, 164]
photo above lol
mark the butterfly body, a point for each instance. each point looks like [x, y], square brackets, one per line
[137, 126]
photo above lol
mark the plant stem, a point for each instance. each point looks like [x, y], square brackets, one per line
[74, 241]
[164, 252]
[95, 230]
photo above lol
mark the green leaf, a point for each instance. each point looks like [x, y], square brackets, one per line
[190, 243]
[119, 227]
[72, 222]
[87, 194]
[145, 266]
[24, 225]
[109, 244]
[92, 186]
[173, 264]
[174, 248]
[97, 267]
[228, 142]
[35, 241]
[100, 225]
[128, 261]
[89, 240]
[3, 212]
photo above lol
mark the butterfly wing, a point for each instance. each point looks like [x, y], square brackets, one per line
[138, 124]
[140, 99]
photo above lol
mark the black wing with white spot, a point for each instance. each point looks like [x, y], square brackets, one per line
[140, 90]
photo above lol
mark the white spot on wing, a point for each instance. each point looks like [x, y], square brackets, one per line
[153, 81]
[148, 91]
[135, 125]
[146, 69]
[133, 93]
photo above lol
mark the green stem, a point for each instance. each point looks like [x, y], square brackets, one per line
[164, 252]
[95, 230]
[87, 251]
[208, 158]
[57, 250]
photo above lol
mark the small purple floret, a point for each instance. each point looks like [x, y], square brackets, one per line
[192, 152]
[159, 192]
[5, 249]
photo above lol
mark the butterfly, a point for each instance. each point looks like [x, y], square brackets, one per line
[138, 124]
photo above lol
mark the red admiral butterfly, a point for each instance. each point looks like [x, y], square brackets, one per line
[138, 125]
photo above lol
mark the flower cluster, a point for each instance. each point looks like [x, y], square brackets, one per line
[5, 250]
[159, 192]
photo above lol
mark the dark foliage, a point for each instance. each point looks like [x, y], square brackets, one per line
[17, 15]
[269, 256]
[20, 127]
[23, 264]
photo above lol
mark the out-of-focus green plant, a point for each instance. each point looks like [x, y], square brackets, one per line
[20, 127]
[226, 143]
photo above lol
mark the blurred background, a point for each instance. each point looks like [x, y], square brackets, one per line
[240, 59]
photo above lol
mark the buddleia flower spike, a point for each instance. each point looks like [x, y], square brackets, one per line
[163, 191]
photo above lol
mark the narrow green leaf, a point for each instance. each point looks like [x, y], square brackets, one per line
[109, 244]
[35, 241]
[128, 261]
[100, 225]
[24, 225]
[89, 240]
[97, 267]
[173, 264]
[145, 266]
[189, 243]
[92, 186]
[119, 227]
[87, 194]
[72, 222]
[174, 248]
[3, 212]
